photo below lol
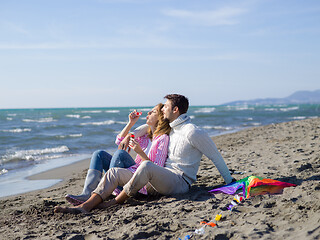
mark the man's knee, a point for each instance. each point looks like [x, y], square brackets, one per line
[146, 166]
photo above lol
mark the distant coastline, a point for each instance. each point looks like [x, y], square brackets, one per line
[299, 97]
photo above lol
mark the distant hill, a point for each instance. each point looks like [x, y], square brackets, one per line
[300, 97]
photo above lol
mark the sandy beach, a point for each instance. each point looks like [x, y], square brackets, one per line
[287, 152]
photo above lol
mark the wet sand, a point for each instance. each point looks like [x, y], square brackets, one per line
[287, 152]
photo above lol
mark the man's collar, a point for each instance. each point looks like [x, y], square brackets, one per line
[181, 119]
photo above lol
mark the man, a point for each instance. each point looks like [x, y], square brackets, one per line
[188, 142]
[187, 145]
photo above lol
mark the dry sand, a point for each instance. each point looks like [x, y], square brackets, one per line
[287, 152]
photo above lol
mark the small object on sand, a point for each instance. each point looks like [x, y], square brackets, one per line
[211, 224]
[200, 231]
[218, 217]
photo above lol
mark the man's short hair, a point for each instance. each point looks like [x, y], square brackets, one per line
[179, 101]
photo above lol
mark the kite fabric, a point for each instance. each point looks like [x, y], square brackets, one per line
[252, 186]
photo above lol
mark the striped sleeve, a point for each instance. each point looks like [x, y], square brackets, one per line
[143, 141]
[119, 139]
[159, 150]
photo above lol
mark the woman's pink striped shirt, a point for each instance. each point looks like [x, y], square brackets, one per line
[158, 152]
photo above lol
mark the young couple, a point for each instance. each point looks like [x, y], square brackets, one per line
[161, 166]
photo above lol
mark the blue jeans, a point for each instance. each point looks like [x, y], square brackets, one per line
[103, 161]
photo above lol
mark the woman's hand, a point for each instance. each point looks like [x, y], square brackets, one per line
[124, 145]
[134, 116]
[135, 146]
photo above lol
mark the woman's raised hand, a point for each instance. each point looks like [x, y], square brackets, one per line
[134, 116]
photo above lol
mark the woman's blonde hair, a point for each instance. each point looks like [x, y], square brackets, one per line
[162, 126]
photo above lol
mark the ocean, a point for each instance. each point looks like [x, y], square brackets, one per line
[35, 140]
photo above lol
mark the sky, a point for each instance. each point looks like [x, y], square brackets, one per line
[110, 53]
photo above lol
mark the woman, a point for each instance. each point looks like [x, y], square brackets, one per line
[155, 150]
[101, 161]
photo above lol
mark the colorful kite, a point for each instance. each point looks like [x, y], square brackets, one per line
[252, 186]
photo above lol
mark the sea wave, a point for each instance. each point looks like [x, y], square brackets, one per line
[17, 130]
[41, 120]
[9, 118]
[239, 108]
[224, 128]
[73, 116]
[289, 109]
[205, 110]
[34, 154]
[108, 122]
[298, 118]
[3, 171]
[71, 135]
[272, 109]
[92, 111]
[112, 111]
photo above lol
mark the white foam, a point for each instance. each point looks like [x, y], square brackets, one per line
[112, 111]
[9, 119]
[218, 128]
[255, 124]
[41, 120]
[93, 111]
[108, 122]
[205, 110]
[33, 154]
[11, 114]
[271, 109]
[71, 135]
[289, 109]
[86, 117]
[73, 116]
[298, 118]
[3, 171]
[239, 108]
[76, 135]
[17, 130]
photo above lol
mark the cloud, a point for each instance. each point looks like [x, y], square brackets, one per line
[223, 16]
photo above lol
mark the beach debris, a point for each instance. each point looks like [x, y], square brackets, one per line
[232, 171]
[186, 237]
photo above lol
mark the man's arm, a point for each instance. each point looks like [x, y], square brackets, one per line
[200, 140]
